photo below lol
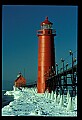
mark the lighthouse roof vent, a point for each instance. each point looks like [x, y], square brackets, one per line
[46, 21]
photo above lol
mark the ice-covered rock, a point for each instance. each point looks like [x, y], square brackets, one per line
[9, 93]
[30, 103]
[35, 113]
[15, 88]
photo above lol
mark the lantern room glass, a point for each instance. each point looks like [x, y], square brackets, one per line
[46, 26]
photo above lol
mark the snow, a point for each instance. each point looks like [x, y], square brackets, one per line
[27, 102]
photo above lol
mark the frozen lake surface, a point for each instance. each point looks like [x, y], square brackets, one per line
[27, 102]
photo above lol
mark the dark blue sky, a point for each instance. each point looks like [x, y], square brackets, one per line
[19, 36]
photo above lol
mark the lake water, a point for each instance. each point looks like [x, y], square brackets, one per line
[6, 99]
[6, 86]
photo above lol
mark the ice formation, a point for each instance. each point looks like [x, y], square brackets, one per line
[58, 98]
[27, 102]
[52, 95]
[61, 101]
[68, 96]
[70, 105]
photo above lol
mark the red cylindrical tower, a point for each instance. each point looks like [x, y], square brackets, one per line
[46, 53]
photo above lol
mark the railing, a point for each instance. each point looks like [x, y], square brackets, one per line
[46, 32]
[61, 77]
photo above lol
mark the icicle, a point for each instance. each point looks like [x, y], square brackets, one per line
[35, 90]
[52, 95]
[55, 96]
[14, 89]
[61, 101]
[49, 95]
[58, 98]
[45, 94]
[68, 96]
[76, 102]
[76, 99]
[70, 105]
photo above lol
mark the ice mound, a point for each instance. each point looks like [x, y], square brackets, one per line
[27, 102]
[9, 93]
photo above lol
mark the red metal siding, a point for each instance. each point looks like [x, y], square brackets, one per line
[45, 58]
[20, 82]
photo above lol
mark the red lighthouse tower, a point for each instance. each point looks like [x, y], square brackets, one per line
[46, 53]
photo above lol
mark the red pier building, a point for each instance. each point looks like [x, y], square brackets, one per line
[46, 53]
[20, 81]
